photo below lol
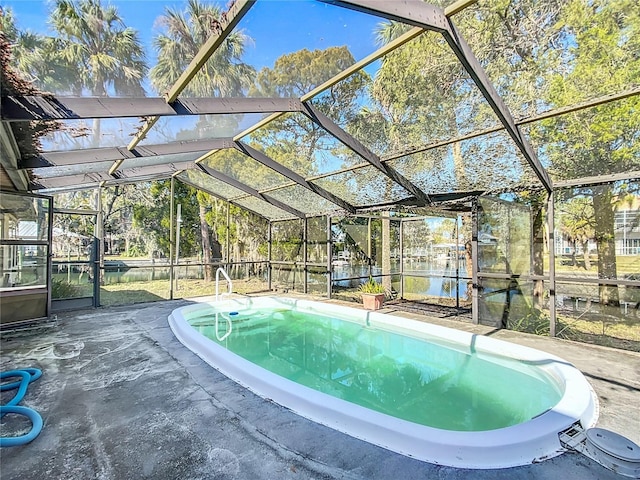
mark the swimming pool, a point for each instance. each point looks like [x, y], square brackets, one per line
[433, 393]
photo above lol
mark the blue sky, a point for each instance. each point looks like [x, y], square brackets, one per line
[276, 26]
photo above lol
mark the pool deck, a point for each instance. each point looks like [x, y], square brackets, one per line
[121, 398]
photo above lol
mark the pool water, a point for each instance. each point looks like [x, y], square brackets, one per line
[429, 383]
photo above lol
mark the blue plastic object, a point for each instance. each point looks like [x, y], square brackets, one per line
[233, 313]
[22, 385]
[36, 428]
[35, 373]
[27, 376]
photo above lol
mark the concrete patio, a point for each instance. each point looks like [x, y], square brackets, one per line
[121, 398]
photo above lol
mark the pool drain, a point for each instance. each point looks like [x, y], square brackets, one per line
[608, 448]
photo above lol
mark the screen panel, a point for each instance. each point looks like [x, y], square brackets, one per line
[363, 187]
[433, 99]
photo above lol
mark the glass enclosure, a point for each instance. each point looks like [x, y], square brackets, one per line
[505, 267]
[597, 262]
[482, 158]
[434, 261]
[25, 238]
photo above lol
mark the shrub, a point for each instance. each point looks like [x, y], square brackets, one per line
[63, 289]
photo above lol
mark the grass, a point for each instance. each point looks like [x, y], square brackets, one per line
[149, 291]
[624, 264]
[606, 330]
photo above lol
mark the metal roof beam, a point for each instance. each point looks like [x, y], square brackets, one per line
[430, 17]
[556, 112]
[103, 183]
[293, 176]
[163, 169]
[598, 179]
[30, 108]
[247, 189]
[10, 157]
[479, 76]
[458, 7]
[330, 126]
[217, 195]
[203, 189]
[412, 12]
[78, 157]
[69, 181]
[179, 162]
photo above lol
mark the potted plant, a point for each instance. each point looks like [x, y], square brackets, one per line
[373, 294]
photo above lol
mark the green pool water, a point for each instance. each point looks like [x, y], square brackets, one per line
[406, 377]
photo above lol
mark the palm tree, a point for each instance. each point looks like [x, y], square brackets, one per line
[107, 56]
[577, 224]
[95, 52]
[223, 75]
[7, 24]
[31, 54]
[186, 32]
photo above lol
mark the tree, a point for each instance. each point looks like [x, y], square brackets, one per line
[34, 55]
[576, 218]
[104, 55]
[186, 31]
[118, 203]
[222, 75]
[293, 139]
[155, 217]
[603, 59]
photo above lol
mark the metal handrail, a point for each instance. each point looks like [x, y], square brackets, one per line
[229, 328]
[224, 273]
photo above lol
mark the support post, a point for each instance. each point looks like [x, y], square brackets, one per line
[369, 246]
[305, 232]
[228, 239]
[172, 239]
[401, 293]
[474, 262]
[552, 263]
[49, 254]
[178, 225]
[329, 257]
[100, 248]
[269, 257]
[386, 251]
[457, 255]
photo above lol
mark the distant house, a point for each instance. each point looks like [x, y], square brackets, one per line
[627, 225]
[627, 234]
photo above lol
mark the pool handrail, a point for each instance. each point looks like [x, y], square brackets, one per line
[224, 273]
[227, 333]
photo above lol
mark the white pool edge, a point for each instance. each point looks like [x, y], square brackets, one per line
[522, 444]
